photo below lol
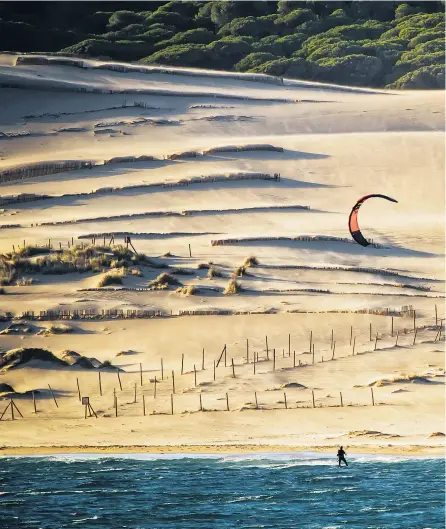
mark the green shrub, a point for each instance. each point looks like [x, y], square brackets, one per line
[120, 19]
[427, 77]
[180, 55]
[253, 60]
[359, 70]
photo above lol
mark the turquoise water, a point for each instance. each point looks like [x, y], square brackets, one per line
[274, 491]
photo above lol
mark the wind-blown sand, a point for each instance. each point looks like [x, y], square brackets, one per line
[334, 145]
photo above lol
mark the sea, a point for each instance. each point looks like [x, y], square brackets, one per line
[184, 491]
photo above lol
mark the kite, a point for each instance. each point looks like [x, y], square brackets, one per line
[353, 219]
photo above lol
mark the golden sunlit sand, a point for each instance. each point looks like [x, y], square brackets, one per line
[314, 343]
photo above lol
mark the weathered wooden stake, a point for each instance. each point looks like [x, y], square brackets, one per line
[144, 405]
[140, 374]
[414, 320]
[60, 245]
[78, 389]
[294, 358]
[254, 364]
[34, 402]
[227, 402]
[274, 359]
[173, 381]
[392, 326]
[286, 404]
[255, 396]
[354, 343]
[311, 341]
[351, 334]
[162, 369]
[190, 251]
[233, 368]
[313, 353]
[376, 341]
[373, 398]
[214, 370]
[342, 404]
[370, 332]
[119, 380]
[154, 389]
[225, 356]
[171, 404]
[289, 345]
[100, 384]
[267, 349]
[202, 360]
[396, 341]
[415, 336]
[195, 376]
[334, 348]
[182, 363]
[54, 397]
[134, 398]
[247, 351]
[332, 338]
[312, 394]
[436, 316]
[116, 406]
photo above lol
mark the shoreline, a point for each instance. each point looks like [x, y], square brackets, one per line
[396, 450]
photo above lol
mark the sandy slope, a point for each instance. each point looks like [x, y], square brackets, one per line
[339, 144]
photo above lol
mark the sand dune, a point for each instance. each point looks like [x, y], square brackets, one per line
[218, 177]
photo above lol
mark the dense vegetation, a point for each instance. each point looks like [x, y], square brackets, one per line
[371, 43]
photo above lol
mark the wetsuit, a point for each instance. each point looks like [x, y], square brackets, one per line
[341, 457]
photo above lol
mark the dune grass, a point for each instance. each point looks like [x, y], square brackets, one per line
[213, 272]
[110, 279]
[59, 328]
[251, 261]
[24, 281]
[233, 287]
[163, 281]
[188, 290]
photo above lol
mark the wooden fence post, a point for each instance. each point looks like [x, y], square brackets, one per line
[227, 402]
[54, 397]
[119, 380]
[233, 368]
[354, 343]
[311, 341]
[415, 336]
[247, 351]
[373, 398]
[214, 370]
[313, 353]
[154, 389]
[289, 344]
[351, 334]
[173, 381]
[116, 406]
[332, 339]
[254, 364]
[182, 363]
[334, 348]
[34, 402]
[225, 356]
[376, 341]
[267, 349]
[78, 389]
[134, 398]
[171, 404]
[162, 369]
[140, 374]
[396, 341]
[370, 332]
[195, 376]
[340, 395]
[202, 360]
[286, 404]
[274, 359]
[436, 316]
[143, 405]
[414, 320]
[294, 358]
[100, 384]
[255, 396]
[190, 251]
[392, 327]
[312, 394]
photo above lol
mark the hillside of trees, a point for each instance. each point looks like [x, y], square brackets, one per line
[362, 43]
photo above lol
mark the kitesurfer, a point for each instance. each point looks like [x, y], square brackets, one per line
[341, 456]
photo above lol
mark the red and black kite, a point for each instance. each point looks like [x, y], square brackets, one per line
[353, 219]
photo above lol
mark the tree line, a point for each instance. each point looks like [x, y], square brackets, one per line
[373, 43]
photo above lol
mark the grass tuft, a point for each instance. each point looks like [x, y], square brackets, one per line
[163, 281]
[110, 279]
[58, 328]
[251, 261]
[233, 287]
